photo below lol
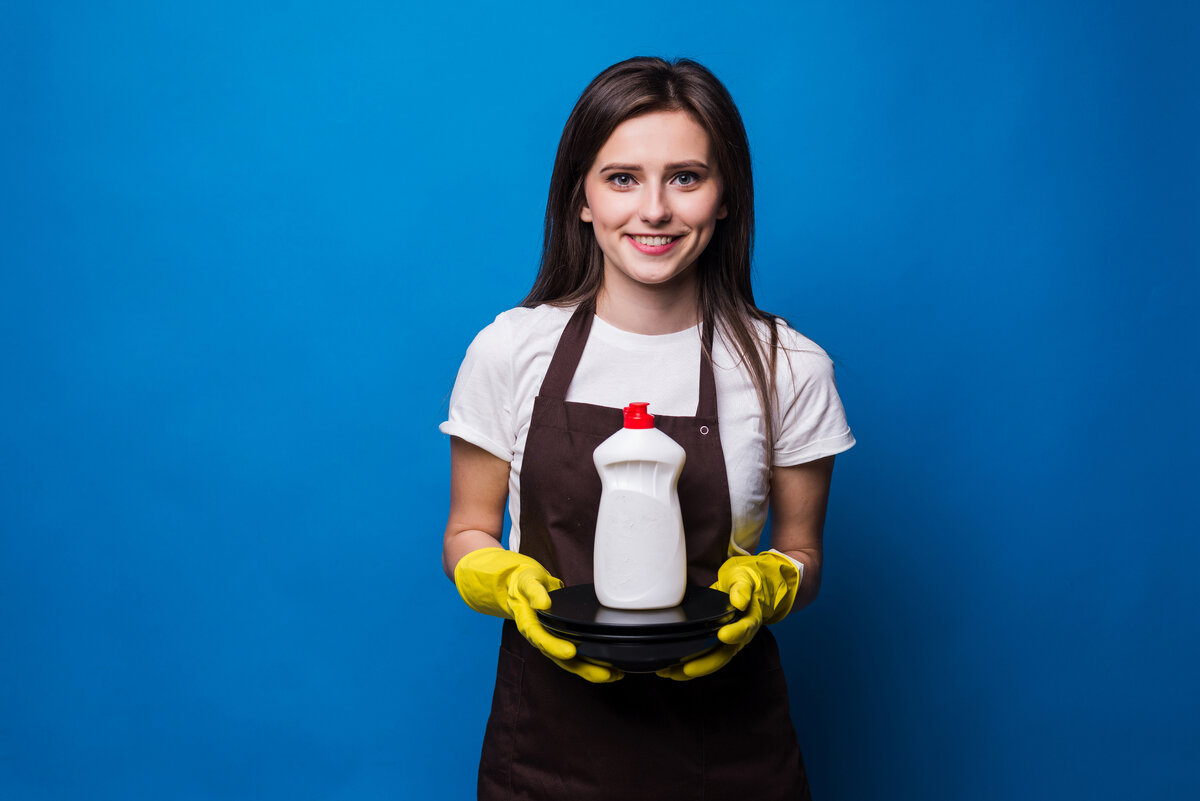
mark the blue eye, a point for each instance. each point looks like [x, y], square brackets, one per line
[621, 179]
[687, 178]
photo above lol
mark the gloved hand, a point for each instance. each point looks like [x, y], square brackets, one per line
[764, 588]
[507, 584]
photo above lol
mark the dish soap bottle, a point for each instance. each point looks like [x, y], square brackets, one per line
[640, 560]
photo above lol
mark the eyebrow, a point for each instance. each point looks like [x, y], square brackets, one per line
[678, 165]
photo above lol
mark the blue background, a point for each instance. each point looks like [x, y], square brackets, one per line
[244, 247]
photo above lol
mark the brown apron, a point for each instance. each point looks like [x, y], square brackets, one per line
[554, 736]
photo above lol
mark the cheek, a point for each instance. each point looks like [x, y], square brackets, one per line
[608, 211]
[705, 210]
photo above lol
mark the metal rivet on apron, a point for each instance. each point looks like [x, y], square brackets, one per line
[703, 429]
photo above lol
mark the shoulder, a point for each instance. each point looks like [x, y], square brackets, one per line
[802, 354]
[798, 359]
[525, 321]
[793, 341]
[516, 330]
[811, 421]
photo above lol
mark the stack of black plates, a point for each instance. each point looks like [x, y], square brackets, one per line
[638, 641]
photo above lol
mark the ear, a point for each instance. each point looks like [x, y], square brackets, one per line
[585, 213]
[722, 212]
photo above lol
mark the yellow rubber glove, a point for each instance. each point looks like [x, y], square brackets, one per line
[507, 584]
[764, 588]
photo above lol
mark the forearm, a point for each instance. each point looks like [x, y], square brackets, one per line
[478, 489]
[799, 495]
[460, 543]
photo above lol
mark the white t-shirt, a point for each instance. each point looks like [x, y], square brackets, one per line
[492, 401]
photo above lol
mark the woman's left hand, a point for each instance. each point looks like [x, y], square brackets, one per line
[763, 587]
[767, 586]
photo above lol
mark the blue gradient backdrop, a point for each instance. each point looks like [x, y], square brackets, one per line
[244, 246]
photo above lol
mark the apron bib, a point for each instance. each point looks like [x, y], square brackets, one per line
[554, 736]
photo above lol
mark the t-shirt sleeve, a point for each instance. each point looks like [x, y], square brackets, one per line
[481, 405]
[811, 423]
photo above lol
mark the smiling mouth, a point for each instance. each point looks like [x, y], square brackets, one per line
[653, 245]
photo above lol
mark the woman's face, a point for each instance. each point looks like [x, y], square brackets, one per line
[653, 197]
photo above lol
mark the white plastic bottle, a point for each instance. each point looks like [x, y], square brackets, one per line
[640, 559]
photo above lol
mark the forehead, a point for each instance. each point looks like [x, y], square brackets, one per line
[657, 138]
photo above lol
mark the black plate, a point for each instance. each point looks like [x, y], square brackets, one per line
[644, 657]
[576, 610]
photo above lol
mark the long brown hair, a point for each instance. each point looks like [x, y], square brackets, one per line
[572, 265]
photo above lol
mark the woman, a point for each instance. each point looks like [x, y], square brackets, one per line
[643, 293]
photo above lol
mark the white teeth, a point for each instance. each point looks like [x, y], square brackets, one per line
[654, 240]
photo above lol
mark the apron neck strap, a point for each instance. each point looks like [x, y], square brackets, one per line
[707, 407]
[567, 354]
[570, 350]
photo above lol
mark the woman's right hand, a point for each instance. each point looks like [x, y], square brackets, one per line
[506, 584]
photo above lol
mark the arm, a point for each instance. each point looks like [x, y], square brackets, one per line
[799, 495]
[497, 581]
[478, 490]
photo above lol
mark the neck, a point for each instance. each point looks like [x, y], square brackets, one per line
[649, 308]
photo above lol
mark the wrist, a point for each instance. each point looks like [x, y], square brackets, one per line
[795, 563]
[782, 575]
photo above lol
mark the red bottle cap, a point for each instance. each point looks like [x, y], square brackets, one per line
[636, 416]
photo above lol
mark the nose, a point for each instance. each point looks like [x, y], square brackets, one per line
[654, 208]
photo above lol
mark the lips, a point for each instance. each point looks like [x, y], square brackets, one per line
[652, 245]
